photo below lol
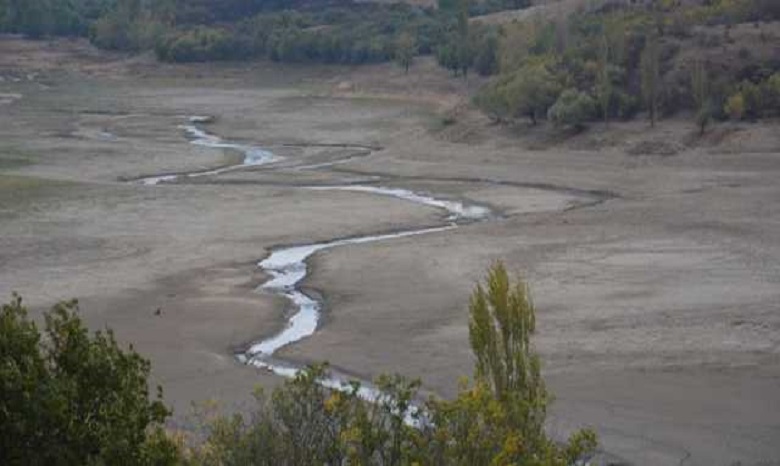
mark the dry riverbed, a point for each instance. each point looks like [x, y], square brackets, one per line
[654, 257]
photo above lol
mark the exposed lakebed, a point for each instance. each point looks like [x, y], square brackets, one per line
[287, 266]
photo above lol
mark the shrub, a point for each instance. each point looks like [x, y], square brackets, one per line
[627, 105]
[771, 94]
[486, 59]
[573, 108]
[72, 398]
[735, 107]
[531, 91]
[492, 100]
[202, 44]
[751, 95]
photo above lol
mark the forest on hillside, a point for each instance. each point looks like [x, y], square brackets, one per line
[331, 31]
[713, 59]
[716, 59]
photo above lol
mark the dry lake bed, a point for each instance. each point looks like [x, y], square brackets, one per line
[653, 256]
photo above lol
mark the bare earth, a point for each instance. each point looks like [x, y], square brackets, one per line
[654, 256]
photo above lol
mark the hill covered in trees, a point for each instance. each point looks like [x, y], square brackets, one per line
[330, 31]
[603, 60]
[715, 59]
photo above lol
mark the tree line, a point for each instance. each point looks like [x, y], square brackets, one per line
[571, 69]
[68, 397]
[325, 31]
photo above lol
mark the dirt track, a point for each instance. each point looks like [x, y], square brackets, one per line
[658, 308]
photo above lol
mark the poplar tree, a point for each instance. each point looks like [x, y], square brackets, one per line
[502, 320]
[651, 79]
[405, 51]
[603, 83]
[700, 90]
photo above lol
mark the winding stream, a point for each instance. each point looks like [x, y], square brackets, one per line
[288, 266]
[253, 156]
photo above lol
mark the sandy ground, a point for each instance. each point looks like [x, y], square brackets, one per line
[654, 257]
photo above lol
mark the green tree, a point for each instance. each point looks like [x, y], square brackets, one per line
[492, 100]
[5, 14]
[502, 320]
[447, 5]
[531, 92]
[701, 95]
[651, 79]
[464, 53]
[32, 17]
[573, 108]
[771, 92]
[735, 106]
[500, 419]
[464, 49]
[486, 57]
[405, 50]
[603, 80]
[72, 398]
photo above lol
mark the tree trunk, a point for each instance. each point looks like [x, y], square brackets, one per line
[652, 116]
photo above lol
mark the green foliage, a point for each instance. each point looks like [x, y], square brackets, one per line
[76, 398]
[201, 44]
[456, 54]
[5, 13]
[755, 100]
[604, 80]
[497, 420]
[359, 34]
[528, 92]
[304, 423]
[573, 108]
[73, 398]
[735, 106]
[460, 42]
[771, 91]
[405, 51]
[39, 18]
[486, 54]
[492, 100]
[651, 77]
[701, 95]
[622, 56]
[31, 17]
[502, 322]
[531, 92]
[479, 429]
[484, 7]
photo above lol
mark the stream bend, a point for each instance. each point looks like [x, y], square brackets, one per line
[287, 266]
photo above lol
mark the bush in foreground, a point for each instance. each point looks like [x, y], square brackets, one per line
[70, 398]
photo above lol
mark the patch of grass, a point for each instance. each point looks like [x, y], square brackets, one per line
[12, 184]
[18, 192]
[10, 163]
[12, 157]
